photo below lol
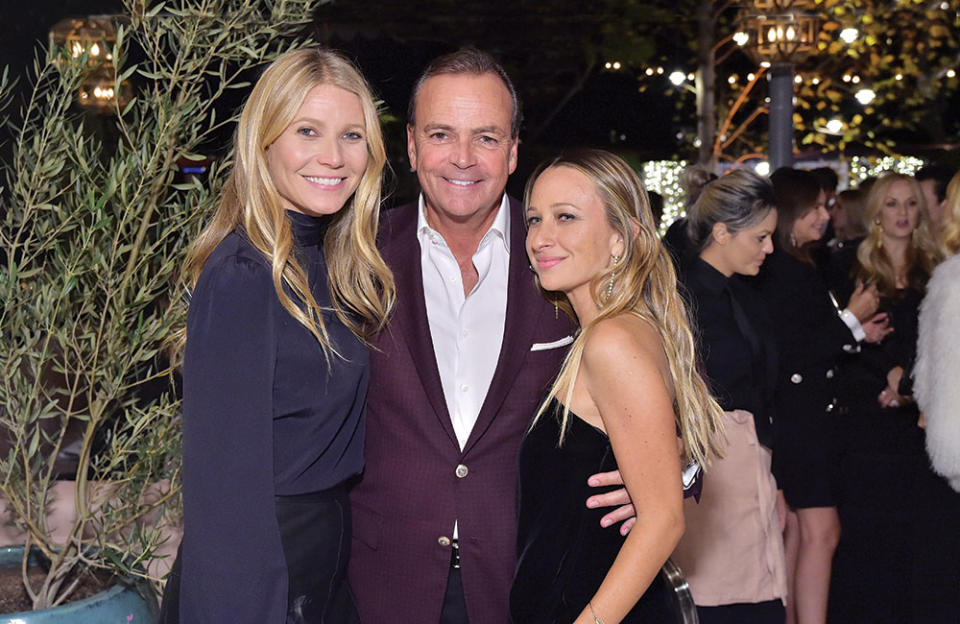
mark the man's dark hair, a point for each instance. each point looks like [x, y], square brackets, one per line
[941, 178]
[467, 61]
[827, 178]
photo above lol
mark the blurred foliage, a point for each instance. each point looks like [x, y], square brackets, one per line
[93, 231]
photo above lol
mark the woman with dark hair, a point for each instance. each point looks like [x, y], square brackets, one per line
[882, 445]
[732, 551]
[811, 335]
[286, 286]
[628, 397]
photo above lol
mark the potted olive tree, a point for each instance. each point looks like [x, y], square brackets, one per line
[93, 230]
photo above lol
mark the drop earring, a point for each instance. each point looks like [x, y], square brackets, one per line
[609, 292]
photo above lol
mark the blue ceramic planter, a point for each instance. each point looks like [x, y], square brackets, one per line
[120, 604]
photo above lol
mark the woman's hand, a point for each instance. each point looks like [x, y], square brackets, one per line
[877, 328]
[864, 301]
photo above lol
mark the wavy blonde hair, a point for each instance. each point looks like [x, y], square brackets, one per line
[873, 264]
[361, 286]
[949, 236]
[645, 285]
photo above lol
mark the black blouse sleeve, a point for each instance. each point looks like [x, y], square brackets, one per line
[233, 567]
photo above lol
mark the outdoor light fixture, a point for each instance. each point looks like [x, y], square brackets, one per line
[865, 96]
[94, 37]
[741, 38]
[677, 77]
[781, 33]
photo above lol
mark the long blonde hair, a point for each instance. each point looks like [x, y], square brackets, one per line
[645, 285]
[361, 286]
[949, 235]
[874, 264]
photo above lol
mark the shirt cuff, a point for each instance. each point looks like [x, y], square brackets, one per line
[850, 319]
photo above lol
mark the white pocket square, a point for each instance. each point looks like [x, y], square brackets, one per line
[556, 344]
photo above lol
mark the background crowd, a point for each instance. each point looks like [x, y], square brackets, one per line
[833, 284]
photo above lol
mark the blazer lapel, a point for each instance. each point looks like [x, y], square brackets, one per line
[409, 323]
[525, 309]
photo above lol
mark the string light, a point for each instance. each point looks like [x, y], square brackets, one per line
[663, 176]
[951, 73]
[862, 168]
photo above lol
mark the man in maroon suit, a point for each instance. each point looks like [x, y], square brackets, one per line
[456, 377]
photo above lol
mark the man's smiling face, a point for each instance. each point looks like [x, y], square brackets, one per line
[461, 146]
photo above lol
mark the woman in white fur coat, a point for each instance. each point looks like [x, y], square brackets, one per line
[937, 370]
[936, 388]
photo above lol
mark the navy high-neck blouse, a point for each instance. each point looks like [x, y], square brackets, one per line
[264, 415]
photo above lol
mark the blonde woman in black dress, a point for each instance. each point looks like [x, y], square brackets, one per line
[627, 391]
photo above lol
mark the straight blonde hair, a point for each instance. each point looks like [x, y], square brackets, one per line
[360, 284]
[645, 285]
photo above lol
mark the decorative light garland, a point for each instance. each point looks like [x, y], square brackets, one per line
[663, 176]
[862, 168]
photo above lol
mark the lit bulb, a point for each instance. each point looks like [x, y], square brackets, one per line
[791, 33]
[798, 79]
[835, 126]
[677, 77]
[616, 64]
[751, 76]
[607, 65]
[762, 168]
[764, 63]
[849, 35]
[95, 50]
[649, 71]
[846, 77]
[691, 77]
[898, 77]
[951, 73]
[772, 34]
[732, 79]
[815, 81]
[865, 96]
[741, 38]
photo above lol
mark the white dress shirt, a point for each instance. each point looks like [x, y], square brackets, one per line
[467, 331]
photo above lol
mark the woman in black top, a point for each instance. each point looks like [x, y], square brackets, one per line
[732, 551]
[884, 461]
[287, 283]
[811, 335]
[626, 389]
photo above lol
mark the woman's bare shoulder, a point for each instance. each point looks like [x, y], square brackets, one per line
[624, 341]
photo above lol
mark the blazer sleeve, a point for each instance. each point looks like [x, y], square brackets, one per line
[809, 330]
[233, 568]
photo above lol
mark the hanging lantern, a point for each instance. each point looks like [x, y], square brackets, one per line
[94, 37]
[780, 31]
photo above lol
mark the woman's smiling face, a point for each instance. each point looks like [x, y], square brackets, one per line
[569, 240]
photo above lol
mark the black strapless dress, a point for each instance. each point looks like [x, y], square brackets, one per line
[563, 553]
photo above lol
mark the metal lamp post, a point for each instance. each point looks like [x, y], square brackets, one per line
[782, 33]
